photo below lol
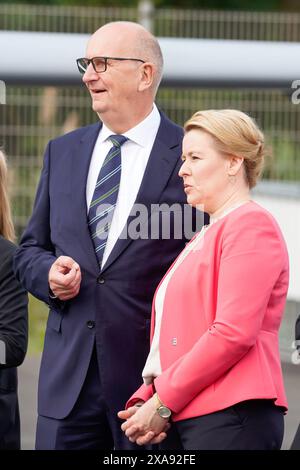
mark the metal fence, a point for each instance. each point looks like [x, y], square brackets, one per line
[33, 115]
[264, 26]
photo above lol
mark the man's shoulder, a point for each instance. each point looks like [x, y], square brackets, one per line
[77, 134]
[170, 133]
[166, 121]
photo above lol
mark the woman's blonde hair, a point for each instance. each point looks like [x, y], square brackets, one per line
[6, 224]
[234, 133]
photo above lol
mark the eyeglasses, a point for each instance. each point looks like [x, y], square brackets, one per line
[99, 63]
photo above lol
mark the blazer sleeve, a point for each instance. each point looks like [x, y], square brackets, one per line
[297, 333]
[144, 393]
[35, 255]
[253, 257]
[13, 315]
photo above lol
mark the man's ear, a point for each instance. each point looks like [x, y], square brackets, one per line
[147, 76]
[234, 164]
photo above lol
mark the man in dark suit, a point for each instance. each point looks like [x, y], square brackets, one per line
[99, 279]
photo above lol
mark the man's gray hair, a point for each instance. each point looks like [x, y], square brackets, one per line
[149, 50]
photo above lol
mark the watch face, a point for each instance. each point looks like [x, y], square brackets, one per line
[164, 412]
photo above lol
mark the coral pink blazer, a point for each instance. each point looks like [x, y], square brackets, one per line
[222, 312]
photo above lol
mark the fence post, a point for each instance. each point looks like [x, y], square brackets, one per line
[145, 14]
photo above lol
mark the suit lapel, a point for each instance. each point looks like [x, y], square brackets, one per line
[79, 172]
[161, 163]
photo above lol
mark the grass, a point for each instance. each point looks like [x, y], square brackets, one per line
[38, 315]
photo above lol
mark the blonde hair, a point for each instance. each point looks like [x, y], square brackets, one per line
[6, 224]
[234, 133]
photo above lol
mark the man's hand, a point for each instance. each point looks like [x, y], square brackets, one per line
[65, 278]
[143, 425]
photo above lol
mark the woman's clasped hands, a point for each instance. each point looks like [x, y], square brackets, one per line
[143, 424]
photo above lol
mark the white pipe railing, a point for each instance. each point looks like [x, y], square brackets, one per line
[49, 59]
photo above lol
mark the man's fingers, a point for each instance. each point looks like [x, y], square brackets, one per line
[64, 294]
[77, 279]
[66, 262]
[72, 279]
[65, 286]
[64, 290]
[66, 279]
[64, 272]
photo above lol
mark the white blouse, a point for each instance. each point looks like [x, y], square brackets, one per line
[152, 367]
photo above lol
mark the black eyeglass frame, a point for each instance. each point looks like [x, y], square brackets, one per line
[91, 61]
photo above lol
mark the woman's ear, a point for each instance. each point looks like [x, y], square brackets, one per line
[147, 76]
[234, 164]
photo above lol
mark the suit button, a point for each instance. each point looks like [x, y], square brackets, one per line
[100, 280]
[90, 324]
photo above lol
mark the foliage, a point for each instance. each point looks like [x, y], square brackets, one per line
[107, 3]
[38, 314]
[250, 5]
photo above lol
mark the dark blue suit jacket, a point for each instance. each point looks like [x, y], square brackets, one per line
[119, 298]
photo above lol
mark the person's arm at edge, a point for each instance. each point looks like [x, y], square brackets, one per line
[13, 314]
[35, 255]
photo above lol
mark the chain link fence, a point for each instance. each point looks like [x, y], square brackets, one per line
[33, 115]
[272, 26]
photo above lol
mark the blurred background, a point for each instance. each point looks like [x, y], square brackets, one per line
[34, 114]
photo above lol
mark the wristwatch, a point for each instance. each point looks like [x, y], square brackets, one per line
[162, 410]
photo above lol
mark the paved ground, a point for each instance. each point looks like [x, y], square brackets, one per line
[28, 373]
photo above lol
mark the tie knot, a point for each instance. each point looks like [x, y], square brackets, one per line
[117, 139]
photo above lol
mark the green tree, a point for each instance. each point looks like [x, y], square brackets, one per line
[254, 5]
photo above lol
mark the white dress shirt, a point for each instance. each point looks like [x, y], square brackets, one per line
[134, 156]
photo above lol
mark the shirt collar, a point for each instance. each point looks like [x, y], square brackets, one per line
[142, 133]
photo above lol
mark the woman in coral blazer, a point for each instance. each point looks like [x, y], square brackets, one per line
[213, 377]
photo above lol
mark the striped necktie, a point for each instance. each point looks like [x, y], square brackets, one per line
[105, 196]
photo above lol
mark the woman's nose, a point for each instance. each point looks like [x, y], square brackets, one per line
[183, 170]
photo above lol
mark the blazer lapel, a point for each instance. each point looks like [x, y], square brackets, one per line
[79, 172]
[161, 164]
